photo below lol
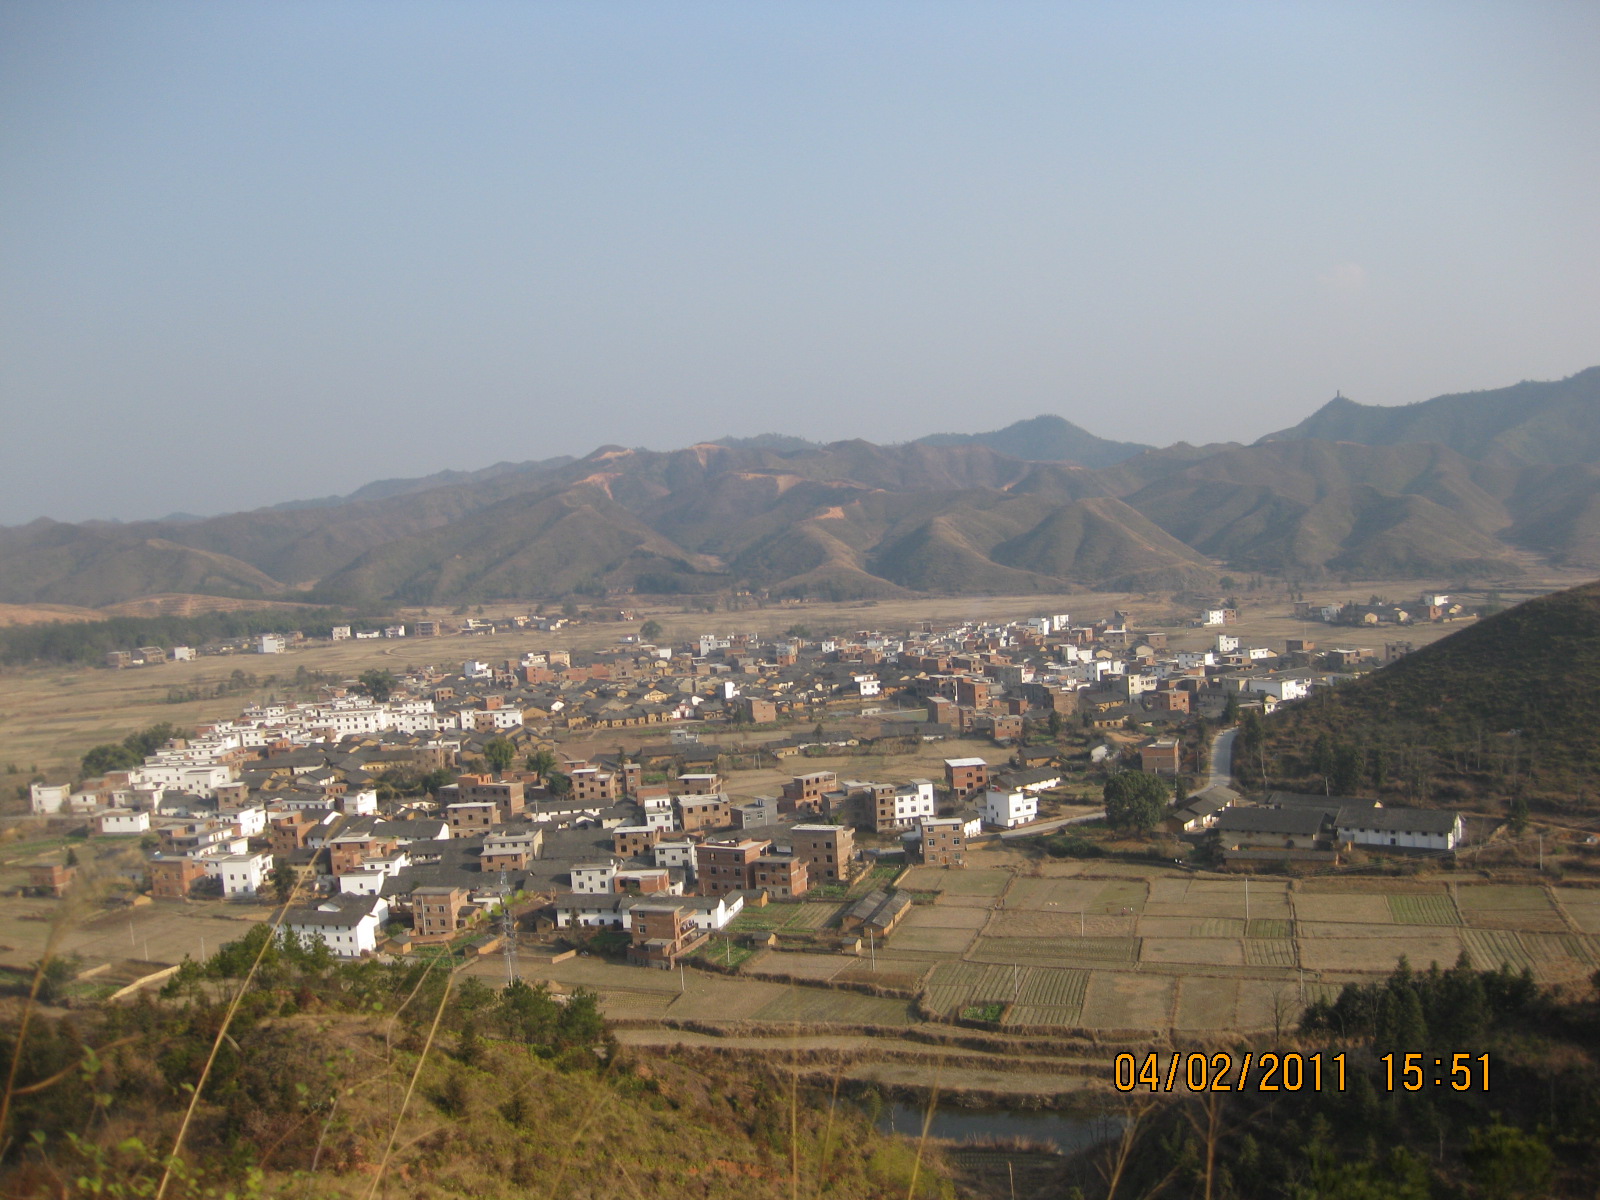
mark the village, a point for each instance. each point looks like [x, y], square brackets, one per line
[438, 807]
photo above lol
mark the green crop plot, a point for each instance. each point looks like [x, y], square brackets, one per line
[1423, 910]
[953, 986]
[1051, 988]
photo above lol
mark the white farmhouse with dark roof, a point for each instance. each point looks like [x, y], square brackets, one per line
[347, 925]
[1407, 828]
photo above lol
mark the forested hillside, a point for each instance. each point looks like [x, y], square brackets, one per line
[1505, 708]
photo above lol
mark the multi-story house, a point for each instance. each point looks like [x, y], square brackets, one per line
[827, 849]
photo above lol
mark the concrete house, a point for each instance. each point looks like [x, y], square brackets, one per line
[1010, 808]
[350, 926]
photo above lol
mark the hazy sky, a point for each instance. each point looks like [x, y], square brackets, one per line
[252, 252]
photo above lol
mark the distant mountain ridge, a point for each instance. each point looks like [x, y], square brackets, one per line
[949, 513]
[1555, 423]
[1046, 438]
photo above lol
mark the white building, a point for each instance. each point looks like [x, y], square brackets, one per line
[242, 874]
[115, 822]
[269, 643]
[675, 854]
[1407, 828]
[1007, 810]
[913, 801]
[594, 879]
[183, 654]
[348, 925]
[1227, 643]
[48, 798]
[368, 878]
[340, 633]
[709, 913]
[659, 812]
[867, 685]
[1285, 687]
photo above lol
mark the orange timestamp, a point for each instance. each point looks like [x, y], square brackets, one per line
[1459, 1072]
[1223, 1072]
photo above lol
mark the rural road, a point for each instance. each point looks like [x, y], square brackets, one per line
[1222, 760]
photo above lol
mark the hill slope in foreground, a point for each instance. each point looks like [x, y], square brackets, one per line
[1507, 707]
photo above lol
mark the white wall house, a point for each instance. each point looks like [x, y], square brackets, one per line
[914, 801]
[1279, 688]
[123, 821]
[368, 878]
[348, 925]
[47, 798]
[867, 685]
[1407, 828]
[250, 820]
[594, 879]
[675, 854]
[1006, 810]
[1227, 643]
[659, 813]
[269, 643]
[241, 875]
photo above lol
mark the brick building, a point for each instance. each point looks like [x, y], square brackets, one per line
[727, 865]
[780, 875]
[827, 849]
[439, 911]
[966, 776]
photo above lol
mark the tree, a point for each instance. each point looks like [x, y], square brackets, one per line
[1519, 814]
[1135, 800]
[1055, 724]
[283, 882]
[1506, 1162]
[109, 757]
[650, 631]
[557, 783]
[541, 763]
[1349, 765]
[500, 753]
[1230, 710]
[376, 683]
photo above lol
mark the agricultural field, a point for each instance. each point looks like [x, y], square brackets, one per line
[1215, 953]
[809, 1005]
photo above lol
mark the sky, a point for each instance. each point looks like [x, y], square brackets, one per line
[253, 252]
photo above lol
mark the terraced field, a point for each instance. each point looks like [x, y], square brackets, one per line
[1105, 951]
[1423, 910]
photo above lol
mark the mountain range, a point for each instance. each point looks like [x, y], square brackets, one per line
[1463, 487]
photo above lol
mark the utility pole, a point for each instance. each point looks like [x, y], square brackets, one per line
[1247, 903]
[508, 928]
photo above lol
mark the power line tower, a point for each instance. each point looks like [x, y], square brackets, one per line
[508, 928]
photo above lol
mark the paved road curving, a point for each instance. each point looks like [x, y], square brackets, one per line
[1222, 760]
